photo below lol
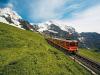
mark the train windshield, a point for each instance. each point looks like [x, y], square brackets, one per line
[73, 43]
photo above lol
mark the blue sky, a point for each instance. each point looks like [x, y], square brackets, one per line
[69, 11]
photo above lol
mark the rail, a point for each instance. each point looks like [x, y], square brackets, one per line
[94, 66]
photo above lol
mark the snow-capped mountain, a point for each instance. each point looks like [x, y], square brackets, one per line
[9, 12]
[56, 29]
[46, 26]
[8, 16]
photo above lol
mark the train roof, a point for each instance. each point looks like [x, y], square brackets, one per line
[66, 40]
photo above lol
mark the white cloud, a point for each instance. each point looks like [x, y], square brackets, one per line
[47, 9]
[10, 5]
[88, 21]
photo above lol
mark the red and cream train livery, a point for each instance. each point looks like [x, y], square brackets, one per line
[69, 45]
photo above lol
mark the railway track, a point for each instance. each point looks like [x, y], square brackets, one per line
[89, 64]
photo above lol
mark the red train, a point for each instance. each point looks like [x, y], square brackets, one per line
[69, 45]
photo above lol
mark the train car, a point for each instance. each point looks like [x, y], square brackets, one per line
[69, 45]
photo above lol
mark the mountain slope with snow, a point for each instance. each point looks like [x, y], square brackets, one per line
[56, 29]
[8, 12]
[8, 16]
[64, 27]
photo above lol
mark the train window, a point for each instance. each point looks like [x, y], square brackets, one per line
[67, 43]
[61, 42]
[72, 43]
[76, 44]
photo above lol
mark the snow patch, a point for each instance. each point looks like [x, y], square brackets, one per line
[44, 26]
[3, 20]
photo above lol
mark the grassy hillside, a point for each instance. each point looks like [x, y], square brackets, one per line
[90, 54]
[27, 53]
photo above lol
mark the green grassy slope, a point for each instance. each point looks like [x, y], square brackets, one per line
[27, 53]
[90, 54]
